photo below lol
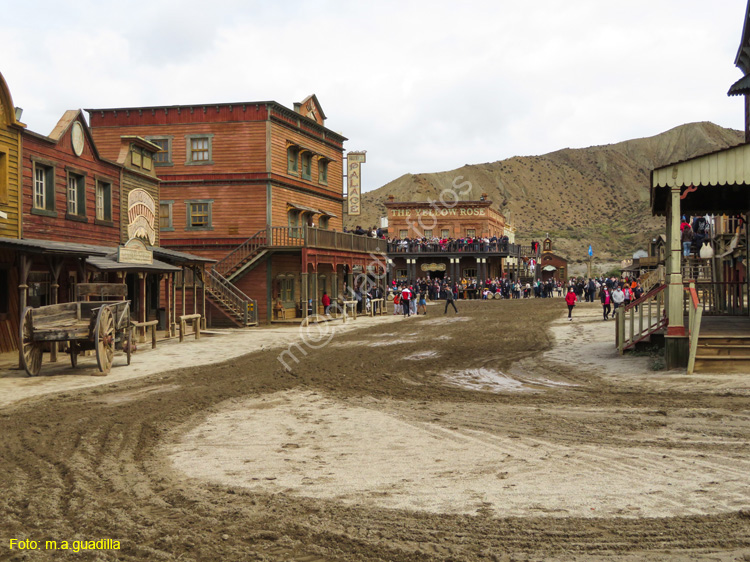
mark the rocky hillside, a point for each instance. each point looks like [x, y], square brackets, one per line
[597, 195]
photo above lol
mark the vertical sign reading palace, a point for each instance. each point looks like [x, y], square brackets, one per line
[354, 161]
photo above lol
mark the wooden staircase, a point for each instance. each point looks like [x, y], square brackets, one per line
[236, 305]
[723, 353]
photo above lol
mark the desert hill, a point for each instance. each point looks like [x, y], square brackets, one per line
[597, 195]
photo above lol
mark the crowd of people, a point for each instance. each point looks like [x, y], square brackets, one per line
[611, 292]
[435, 244]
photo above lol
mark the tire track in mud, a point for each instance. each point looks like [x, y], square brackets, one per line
[88, 466]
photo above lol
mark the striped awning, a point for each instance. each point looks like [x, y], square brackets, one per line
[724, 167]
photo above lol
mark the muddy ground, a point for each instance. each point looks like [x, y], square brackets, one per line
[504, 433]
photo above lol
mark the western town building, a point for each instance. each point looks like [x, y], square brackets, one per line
[705, 296]
[455, 239]
[70, 216]
[256, 186]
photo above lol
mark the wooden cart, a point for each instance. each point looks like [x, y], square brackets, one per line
[100, 325]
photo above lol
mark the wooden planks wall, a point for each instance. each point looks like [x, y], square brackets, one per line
[60, 228]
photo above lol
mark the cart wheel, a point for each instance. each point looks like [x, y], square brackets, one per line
[31, 351]
[104, 335]
[128, 342]
[73, 349]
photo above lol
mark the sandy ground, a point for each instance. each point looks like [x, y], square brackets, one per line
[502, 433]
[214, 346]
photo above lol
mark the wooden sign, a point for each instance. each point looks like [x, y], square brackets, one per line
[135, 251]
[354, 161]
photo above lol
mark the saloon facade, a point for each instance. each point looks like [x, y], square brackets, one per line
[442, 240]
[258, 187]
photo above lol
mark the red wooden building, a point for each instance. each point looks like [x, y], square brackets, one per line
[256, 186]
[76, 216]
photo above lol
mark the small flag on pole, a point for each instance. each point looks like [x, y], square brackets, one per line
[591, 251]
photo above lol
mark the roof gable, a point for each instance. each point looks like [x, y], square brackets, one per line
[310, 107]
[7, 109]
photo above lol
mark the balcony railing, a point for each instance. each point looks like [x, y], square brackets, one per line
[418, 247]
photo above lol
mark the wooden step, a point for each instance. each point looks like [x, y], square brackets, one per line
[722, 364]
[724, 351]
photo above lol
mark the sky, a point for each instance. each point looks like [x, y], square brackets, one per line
[421, 86]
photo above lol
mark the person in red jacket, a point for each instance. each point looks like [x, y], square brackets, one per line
[570, 299]
[326, 302]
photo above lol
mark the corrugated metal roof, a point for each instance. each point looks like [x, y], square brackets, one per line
[178, 256]
[741, 87]
[725, 167]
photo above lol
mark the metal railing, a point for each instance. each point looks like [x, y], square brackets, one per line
[238, 303]
[650, 318]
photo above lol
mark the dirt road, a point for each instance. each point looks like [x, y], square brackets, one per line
[503, 433]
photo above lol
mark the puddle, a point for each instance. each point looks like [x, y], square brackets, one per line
[422, 355]
[487, 380]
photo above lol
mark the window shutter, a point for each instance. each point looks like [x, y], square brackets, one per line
[107, 201]
[49, 188]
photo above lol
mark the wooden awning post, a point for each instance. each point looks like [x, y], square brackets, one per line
[304, 284]
[24, 266]
[55, 266]
[195, 288]
[168, 296]
[184, 310]
[173, 325]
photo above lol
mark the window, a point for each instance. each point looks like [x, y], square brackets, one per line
[470, 272]
[403, 233]
[76, 195]
[199, 214]
[286, 288]
[165, 215]
[323, 222]
[428, 233]
[141, 157]
[44, 189]
[323, 171]
[198, 148]
[471, 232]
[103, 201]
[445, 233]
[306, 165]
[3, 177]
[292, 159]
[38, 292]
[401, 273]
[164, 156]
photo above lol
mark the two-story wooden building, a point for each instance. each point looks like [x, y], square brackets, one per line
[70, 216]
[461, 239]
[256, 186]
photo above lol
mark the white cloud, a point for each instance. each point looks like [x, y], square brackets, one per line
[422, 86]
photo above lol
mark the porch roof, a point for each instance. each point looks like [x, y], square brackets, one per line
[713, 183]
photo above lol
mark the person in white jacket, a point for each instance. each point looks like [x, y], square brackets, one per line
[618, 297]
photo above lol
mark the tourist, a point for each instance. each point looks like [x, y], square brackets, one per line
[570, 300]
[618, 297]
[604, 296]
[396, 303]
[422, 303]
[449, 300]
[687, 240]
[326, 302]
[405, 298]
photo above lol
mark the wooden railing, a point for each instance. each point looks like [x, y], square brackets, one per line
[695, 314]
[295, 237]
[652, 278]
[238, 303]
[720, 299]
[632, 328]
[418, 247]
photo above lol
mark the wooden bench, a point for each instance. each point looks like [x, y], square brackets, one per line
[142, 334]
[195, 320]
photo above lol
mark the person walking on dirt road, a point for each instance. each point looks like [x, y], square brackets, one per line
[570, 300]
[449, 300]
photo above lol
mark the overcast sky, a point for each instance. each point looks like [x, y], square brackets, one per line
[422, 86]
